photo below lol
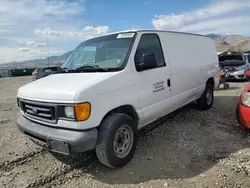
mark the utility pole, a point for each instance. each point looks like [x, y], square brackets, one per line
[47, 41]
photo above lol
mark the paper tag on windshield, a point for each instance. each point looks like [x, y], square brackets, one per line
[125, 35]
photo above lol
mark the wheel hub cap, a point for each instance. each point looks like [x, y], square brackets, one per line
[123, 141]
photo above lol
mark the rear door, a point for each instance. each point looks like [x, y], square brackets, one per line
[155, 83]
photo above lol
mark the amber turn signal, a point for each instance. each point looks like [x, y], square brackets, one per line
[82, 111]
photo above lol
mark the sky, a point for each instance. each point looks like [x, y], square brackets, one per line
[31, 29]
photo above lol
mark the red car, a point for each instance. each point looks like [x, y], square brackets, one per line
[243, 107]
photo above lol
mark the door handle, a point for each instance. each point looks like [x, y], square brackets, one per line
[169, 83]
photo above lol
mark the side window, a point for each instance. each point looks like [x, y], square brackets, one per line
[47, 70]
[150, 43]
[248, 57]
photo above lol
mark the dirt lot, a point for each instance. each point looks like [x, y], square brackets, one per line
[188, 148]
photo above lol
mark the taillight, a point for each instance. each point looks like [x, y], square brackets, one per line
[35, 74]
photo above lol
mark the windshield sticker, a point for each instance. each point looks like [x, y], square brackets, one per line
[125, 35]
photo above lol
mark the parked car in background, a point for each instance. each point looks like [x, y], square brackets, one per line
[113, 85]
[247, 57]
[234, 64]
[42, 72]
[243, 107]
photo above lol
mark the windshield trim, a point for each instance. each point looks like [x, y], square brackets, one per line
[96, 38]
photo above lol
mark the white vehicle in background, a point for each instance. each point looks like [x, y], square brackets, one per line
[113, 85]
[234, 64]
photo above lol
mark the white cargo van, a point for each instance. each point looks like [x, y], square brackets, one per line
[113, 85]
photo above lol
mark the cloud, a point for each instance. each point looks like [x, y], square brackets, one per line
[23, 49]
[34, 24]
[213, 17]
[33, 43]
[26, 53]
[148, 3]
[84, 33]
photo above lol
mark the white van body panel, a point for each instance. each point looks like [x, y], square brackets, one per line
[190, 61]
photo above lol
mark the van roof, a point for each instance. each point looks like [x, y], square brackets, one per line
[153, 30]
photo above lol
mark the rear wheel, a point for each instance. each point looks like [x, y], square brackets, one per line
[117, 140]
[205, 102]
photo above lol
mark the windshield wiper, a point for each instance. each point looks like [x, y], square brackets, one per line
[94, 67]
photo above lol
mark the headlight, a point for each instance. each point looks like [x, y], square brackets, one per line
[240, 67]
[245, 99]
[69, 112]
[79, 112]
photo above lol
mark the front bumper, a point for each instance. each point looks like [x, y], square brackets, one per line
[242, 115]
[56, 139]
[237, 75]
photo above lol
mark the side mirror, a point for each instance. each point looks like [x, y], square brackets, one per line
[248, 74]
[147, 61]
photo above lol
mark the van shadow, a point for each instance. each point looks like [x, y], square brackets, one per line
[238, 81]
[183, 144]
[230, 88]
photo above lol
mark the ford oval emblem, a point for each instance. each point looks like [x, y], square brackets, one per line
[34, 111]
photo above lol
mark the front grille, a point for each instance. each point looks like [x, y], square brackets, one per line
[39, 111]
[231, 69]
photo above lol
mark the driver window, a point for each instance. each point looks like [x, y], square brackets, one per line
[150, 43]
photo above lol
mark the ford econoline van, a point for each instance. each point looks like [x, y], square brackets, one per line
[113, 85]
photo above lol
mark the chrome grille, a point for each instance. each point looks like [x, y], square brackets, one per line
[39, 111]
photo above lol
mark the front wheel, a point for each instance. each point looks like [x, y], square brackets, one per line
[205, 102]
[117, 140]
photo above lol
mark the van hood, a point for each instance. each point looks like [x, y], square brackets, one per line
[59, 87]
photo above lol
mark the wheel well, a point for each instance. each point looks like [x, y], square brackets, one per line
[211, 81]
[126, 109]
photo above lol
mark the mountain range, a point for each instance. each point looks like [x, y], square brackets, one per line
[222, 42]
[233, 42]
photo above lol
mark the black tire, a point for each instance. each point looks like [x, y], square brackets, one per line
[226, 86]
[105, 150]
[203, 102]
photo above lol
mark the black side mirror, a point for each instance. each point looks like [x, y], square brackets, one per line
[147, 61]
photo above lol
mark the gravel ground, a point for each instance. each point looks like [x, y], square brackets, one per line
[188, 148]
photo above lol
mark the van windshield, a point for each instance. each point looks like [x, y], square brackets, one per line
[107, 53]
